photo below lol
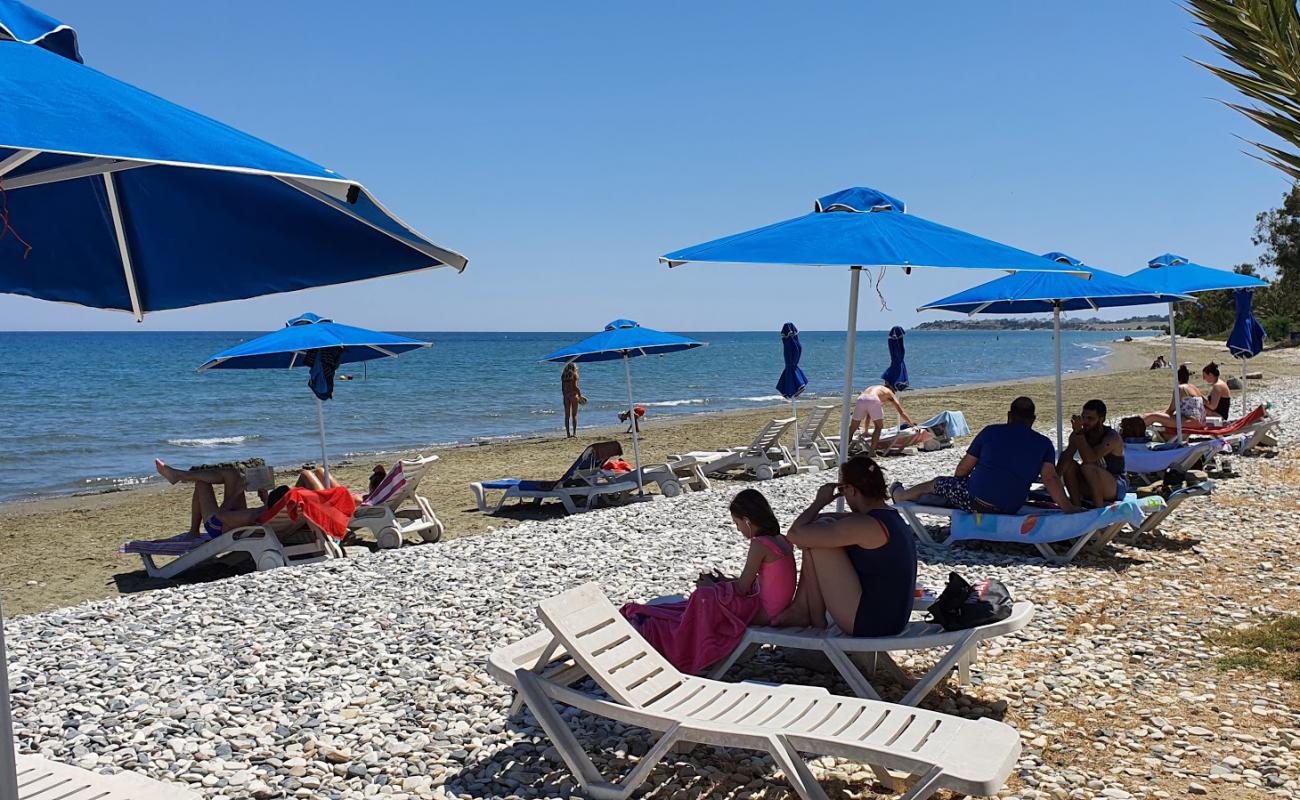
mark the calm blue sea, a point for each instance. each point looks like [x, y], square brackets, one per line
[90, 411]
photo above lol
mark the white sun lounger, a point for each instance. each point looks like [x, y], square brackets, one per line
[278, 542]
[382, 514]
[582, 487]
[815, 450]
[764, 458]
[844, 651]
[642, 689]
[42, 779]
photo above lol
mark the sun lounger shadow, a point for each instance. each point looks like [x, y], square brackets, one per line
[138, 580]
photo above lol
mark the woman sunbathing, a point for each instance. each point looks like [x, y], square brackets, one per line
[1189, 398]
[859, 567]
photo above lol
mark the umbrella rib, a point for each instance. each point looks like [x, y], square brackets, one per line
[16, 160]
[70, 172]
[123, 249]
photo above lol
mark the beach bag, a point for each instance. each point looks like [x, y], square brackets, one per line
[964, 605]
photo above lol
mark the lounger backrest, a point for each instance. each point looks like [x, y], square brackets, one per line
[400, 483]
[607, 647]
[812, 428]
[770, 436]
[592, 460]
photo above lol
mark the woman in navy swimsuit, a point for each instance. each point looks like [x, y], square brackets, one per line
[859, 567]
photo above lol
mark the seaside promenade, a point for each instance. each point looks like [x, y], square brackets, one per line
[366, 676]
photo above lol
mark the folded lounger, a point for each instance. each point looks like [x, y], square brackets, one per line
[42, 779]
[641, 688]
[1045, 529]
[581, 487]
[845, 651]
[764, 458]
[814, 449]
[381, 511]
[285, 536]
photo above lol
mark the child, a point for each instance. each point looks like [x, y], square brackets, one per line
[770, 571]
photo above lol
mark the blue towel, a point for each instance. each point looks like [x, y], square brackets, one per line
[953, 423]
[1049, 526]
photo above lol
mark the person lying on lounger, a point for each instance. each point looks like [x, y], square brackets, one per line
[1097, 477]
[1000, 466]
[859, 567]
[870, 406]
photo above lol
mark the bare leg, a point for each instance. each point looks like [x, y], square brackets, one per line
[876, 427]
[800, 614]
[838, 586]
[312, 479]
[915, 493]
[1159, 419]
[1073, 481]
[196, 515]
[1101, 485]
[212, 476]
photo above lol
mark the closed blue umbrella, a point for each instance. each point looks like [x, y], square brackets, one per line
[1175, 274]
[1247, 337]
[1037, 292]
[859, 228]
[792, 381]
[320, 344]
[118, 199]
[895, 375]
[625, 339]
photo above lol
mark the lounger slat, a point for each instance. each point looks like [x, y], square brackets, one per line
[750, 705]
[841, 714]
[684, 694]
[656, 686]
[641, 668]
[618, 653]
[867, 724]
[699, 706]
[796, 711]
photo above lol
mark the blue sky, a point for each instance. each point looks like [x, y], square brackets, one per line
[563, 147]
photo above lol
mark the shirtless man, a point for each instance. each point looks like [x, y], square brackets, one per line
[1098, 475]
[871, 406]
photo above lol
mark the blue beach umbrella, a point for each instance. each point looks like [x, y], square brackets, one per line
[895, 375]
[1039, 292]
[119, 199]
[319, 344]
[1176, 275]
[861, 228]
[1247, 337]
[624, 339]
[792, 381]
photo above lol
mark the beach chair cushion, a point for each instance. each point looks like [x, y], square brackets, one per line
[1045, 526]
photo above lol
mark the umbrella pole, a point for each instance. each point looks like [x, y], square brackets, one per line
[794, 412]
[631, 417]
[8, 767]
[850, 344]
[1243, 387]
[320, 421]
[1173, 365]
[1060, 400]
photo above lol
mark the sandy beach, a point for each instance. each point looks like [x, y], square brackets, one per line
[366, 676]
[63, 551]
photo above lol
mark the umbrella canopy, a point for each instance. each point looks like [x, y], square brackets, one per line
[895, 375]
[312, 341]
[1247, 337]
[856, 228]
[625, 339]
[792, 381]
[1035, 292]
[117, 198]
[1175, 274]
[285, 348]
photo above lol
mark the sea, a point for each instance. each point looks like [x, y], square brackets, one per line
[88, 412]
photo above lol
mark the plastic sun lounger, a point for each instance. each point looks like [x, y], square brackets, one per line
[642, 689]
[1105, 526]
[584, 481]
[277, 542]
[764, 458]
[42, 779]
[893, 441]
[814, 449]
[1146, 465]
[1257, 426]
[843, 651]
[382, 514]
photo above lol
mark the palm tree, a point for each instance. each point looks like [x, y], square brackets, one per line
[1262, 38]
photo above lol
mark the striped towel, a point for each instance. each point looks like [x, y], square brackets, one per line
[391, 486]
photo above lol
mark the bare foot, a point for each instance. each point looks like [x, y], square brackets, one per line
[170, 473]
[791, 618]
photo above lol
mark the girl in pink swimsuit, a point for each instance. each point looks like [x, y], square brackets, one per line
[770, 571]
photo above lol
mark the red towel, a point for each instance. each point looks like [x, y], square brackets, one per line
[327, 509]
[699, 632]
[1226, 430]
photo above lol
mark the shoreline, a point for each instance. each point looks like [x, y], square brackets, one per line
[146, 481]
[63, 550]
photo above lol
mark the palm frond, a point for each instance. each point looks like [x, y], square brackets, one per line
[1262, 39]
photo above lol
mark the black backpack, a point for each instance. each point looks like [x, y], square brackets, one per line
[964, 605]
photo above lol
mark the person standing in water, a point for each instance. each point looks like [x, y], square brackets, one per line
[572, 398]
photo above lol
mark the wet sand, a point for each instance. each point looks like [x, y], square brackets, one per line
[62, 551]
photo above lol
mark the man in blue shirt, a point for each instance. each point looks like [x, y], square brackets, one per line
[1000, 465]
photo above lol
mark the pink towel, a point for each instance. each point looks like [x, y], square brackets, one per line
[699, 632]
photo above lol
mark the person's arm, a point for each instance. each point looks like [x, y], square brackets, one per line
[965, 466]
[1052, 482]
[893, 399]
[753, 560]
[1078, 443]
[814, 529]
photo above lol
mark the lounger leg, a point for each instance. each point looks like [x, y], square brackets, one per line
[850, 672]
[914, 520]
[542, 661]
[742, 651]
[796, 770]
[952, 659]
[926, 785]
[569, 506]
